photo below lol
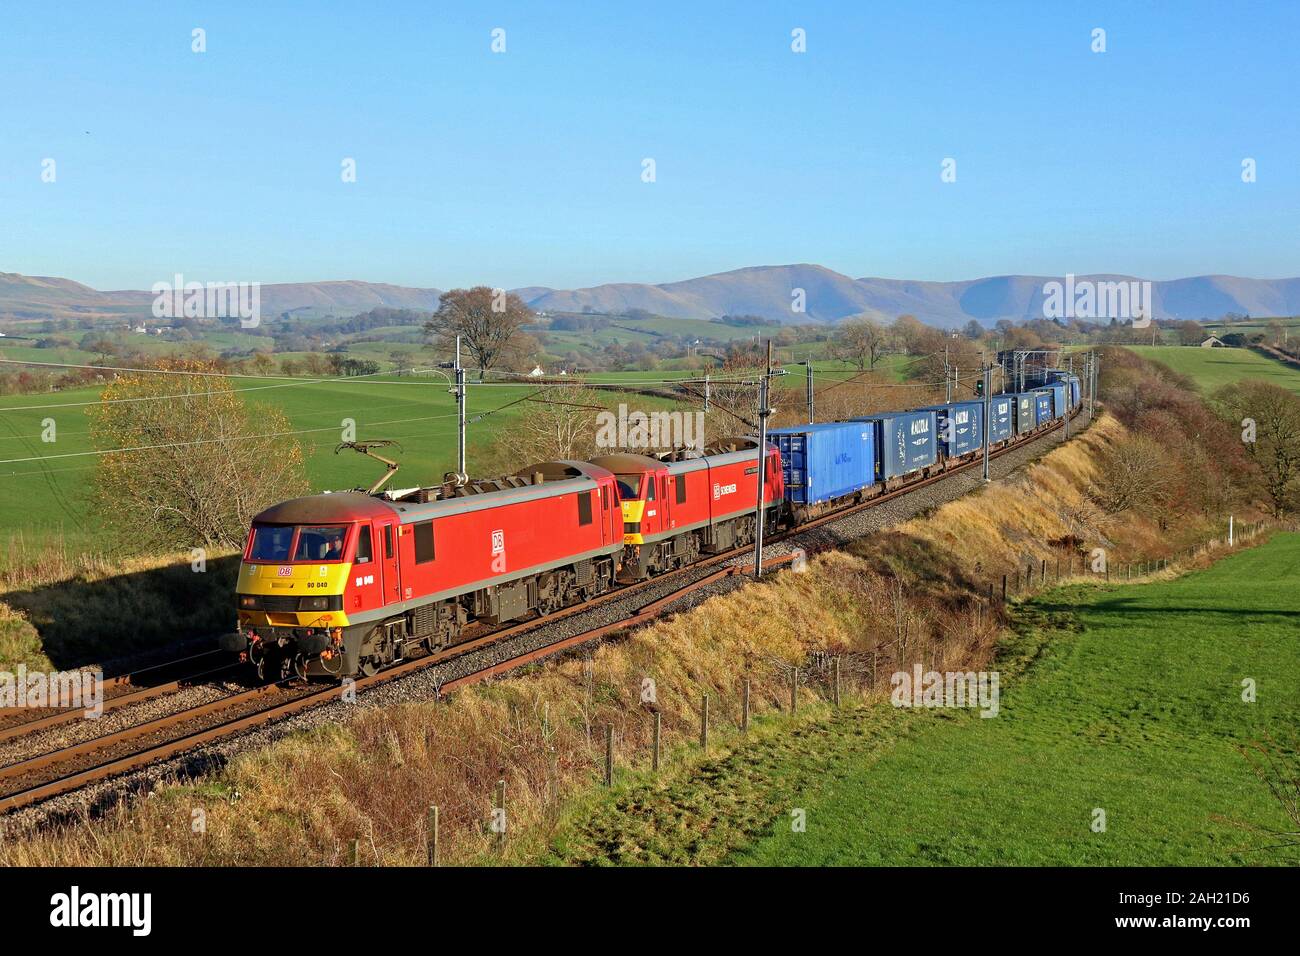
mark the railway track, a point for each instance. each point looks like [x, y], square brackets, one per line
[119, 691]
[71, 767]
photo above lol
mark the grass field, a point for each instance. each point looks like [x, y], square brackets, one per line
[38, 497]
[1214, 368]
[1134, 707]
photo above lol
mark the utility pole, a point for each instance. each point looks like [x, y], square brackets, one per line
[811, 418]
[947, 376]
[706, 391]
[763, 412]
[987, 401]
[460, 415]
[1068, 386]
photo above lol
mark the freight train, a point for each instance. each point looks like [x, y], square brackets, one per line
[340, 584]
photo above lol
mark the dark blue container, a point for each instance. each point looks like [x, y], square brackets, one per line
[959, 427]
[1026, 412]
[1074, 389]
[825, 461]
[1002, 417]
[1060, 398]
[1043, 405]
[905, 442]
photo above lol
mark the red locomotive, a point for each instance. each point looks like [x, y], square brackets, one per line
[675, 508]
[339, 584]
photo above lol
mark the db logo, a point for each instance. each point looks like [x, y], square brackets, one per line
[498, 542]
[720, 490]
[284, 571]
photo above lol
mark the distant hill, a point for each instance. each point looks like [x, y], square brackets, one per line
[759, 290]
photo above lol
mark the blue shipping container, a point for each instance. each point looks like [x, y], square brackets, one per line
[1074, 389]
[1002, 417]
[1026, 412]
[958, 425]
[1060, 395]
[1043, 405]
[825, 461]
[905, 442]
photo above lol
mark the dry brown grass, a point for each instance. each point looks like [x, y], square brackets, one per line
[305, 799]
[61, 608]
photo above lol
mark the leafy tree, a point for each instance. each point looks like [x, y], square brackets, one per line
[1271, 416]
[186, 463]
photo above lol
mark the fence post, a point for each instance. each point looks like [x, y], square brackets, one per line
[431, 835]
[1004, 589]
[1058, 568]
[356, 852]
[794, 691]
[744, 708]
[501, 818]
[609, 755]
[837, 681]
[1042, 572]
[704, 725]
[654, 761]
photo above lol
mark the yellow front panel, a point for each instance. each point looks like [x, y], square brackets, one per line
[293, 580]
[632, 514]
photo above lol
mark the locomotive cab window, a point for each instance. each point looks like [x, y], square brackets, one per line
[650, 488]
[320, 543]
[364, 554]
[388, 541]
[628, 487]
[681, 489]
[271, 543]
[584, 508]
[423, 542]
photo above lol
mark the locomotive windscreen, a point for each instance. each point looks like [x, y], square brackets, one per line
[306, 543]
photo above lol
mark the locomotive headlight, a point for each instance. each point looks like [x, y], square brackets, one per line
[248, 601]
[320, 603]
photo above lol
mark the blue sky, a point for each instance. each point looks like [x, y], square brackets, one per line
[524, 167]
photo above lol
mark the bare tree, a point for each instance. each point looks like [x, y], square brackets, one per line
[190, 470]
[1134, 473]
[488, 321]
[862, 341]
[560, 423]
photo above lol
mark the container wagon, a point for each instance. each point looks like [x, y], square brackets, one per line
[824, 463]
[1002, 417]
[905, 443]
[959, 427]
[1026, 413]
[1060, 398]
[1042, 405]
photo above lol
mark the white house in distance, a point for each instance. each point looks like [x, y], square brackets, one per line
[1213, 342]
